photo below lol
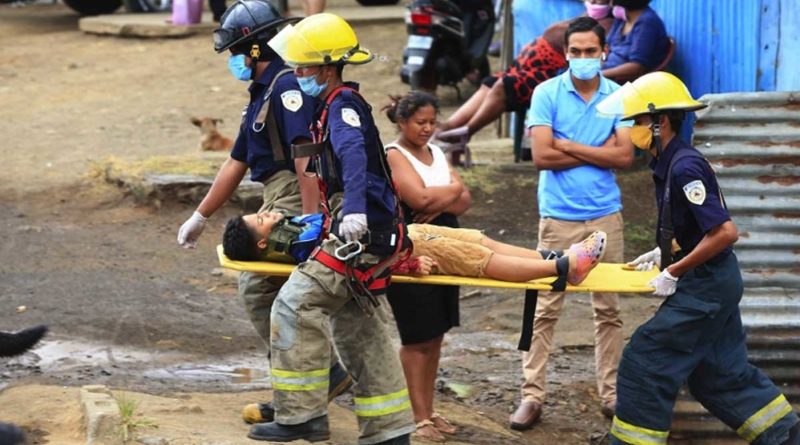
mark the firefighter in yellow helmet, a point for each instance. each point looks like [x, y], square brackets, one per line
[696, 335]
[346, 276]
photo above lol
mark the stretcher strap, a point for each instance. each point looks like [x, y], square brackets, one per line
[528, 315]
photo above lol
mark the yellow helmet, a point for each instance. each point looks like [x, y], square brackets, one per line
[652, 93]
[319, 39]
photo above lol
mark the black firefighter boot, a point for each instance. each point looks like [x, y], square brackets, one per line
[339, 382]
[315, 430]
[11, 434]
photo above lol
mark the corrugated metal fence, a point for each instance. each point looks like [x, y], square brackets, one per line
[722, 46]
[753, 142]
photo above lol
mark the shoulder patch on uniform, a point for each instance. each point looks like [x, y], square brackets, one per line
[292, 100]
[350, 116]
[695, 192]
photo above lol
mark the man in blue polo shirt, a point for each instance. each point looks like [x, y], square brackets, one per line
[576, 151]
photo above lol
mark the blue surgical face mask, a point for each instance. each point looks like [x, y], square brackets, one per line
[584, 69]
[239, 68]
[309, 85]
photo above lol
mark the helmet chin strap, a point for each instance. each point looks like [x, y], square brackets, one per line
[656, 118]
[255, 53]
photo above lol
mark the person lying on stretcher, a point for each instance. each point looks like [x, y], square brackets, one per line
[274, 237]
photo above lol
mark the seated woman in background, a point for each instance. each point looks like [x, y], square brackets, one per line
[511, 90]
[637, 44]
[638, 41]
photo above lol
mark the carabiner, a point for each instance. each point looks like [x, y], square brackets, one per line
[338, 253]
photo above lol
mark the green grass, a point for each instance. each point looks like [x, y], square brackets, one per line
[491, 179]
[112, 168]
[639, 237]
[129, 419]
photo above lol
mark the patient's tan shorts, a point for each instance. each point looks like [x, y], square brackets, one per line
[458, 251]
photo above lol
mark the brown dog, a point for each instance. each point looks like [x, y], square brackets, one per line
[211, 139]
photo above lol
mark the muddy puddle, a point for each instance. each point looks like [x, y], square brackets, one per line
[74, 362]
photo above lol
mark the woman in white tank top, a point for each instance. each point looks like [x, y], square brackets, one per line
[431, 192]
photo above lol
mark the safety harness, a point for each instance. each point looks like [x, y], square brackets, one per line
[266, 118]
[363, 281]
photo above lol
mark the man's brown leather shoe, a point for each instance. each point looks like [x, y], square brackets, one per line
[524, 417]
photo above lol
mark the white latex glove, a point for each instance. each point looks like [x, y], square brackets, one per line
[647, 261]
[353, 227]
[190, 230]
[665, 284]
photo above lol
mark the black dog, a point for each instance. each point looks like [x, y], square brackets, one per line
[11, 344]
[15, 343]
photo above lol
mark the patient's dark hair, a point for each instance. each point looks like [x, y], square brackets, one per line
[403, 107]
[237, 241]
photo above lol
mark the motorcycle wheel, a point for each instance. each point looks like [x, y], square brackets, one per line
[148, 5]
[377, 2]
[93, 7]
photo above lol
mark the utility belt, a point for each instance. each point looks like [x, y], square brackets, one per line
[378, 242]
[715, 261]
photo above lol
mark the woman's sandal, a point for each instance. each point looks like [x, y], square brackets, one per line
[443, 424]
[427, 431]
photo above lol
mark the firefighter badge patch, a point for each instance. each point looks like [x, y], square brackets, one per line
[695, 192]
[350, 116]
[292, 100]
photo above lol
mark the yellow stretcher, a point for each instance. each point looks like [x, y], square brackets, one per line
[606, 277]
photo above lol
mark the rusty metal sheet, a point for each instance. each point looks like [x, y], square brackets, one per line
[753, 143]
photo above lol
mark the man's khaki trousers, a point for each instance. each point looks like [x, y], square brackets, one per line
[560, 234]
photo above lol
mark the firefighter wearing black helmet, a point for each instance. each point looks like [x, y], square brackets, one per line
[278, 115]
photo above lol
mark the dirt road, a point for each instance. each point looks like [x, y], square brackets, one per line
[128, 308]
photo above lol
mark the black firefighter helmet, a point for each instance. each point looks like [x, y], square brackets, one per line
[248, 24]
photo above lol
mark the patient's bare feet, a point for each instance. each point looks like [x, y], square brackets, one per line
[585, 256]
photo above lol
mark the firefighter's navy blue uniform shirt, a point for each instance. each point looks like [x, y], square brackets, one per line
[358, 148]
[293, 112]
[695, 198]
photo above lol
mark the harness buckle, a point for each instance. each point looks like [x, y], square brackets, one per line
[348, 251]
